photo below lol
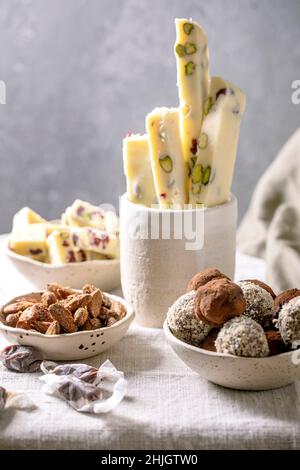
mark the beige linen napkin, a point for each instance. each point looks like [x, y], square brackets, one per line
[271, 226]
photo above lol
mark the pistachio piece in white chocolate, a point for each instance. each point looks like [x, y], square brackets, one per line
[83, 214]
[168, 168]
[192, 80]
[218, 141]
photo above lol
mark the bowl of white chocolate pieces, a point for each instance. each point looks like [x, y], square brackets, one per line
[179, 175]
[66, 324]
[81, 247]
[238, 335]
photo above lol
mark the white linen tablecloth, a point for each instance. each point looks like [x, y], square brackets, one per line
[167, 405]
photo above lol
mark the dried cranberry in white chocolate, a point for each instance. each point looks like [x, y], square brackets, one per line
[62, 249]
[30, 241]
[84, 214]
[92, 240]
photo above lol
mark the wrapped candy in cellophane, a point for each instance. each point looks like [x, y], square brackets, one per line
[85, 388]
[16, 400]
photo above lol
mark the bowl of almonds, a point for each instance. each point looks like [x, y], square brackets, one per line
[66, 324]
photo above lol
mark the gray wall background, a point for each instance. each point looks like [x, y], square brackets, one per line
[81, 73]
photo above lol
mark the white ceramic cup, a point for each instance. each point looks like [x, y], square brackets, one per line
[155, 271]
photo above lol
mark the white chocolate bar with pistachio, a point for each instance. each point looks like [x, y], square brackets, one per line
[168, 167]
[192, 60]
[83, 214]
[212, 170]
[30, 240]
[97, 241]
[137, 168]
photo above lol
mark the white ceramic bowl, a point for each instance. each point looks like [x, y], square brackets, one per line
[155, 271]
[71, 346]
[104, 274]
[241, 373]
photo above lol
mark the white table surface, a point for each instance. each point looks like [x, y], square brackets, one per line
[167, 405]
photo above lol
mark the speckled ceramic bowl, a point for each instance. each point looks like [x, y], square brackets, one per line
[104, 274]
[70, 346]
[241, 373]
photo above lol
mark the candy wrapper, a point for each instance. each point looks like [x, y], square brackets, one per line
[85, 388]
[19, 401]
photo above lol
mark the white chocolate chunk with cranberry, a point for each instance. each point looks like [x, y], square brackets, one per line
[212, 171]
[26, 216]
[83, 214]
[30, 240]
[137, 168]
[168, 167]
[61, 248]
[90, 239]
[193, 80]
[67, 219]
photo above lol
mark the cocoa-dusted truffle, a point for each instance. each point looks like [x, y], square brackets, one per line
[202, 278]
[218, 301]
[242, 336]
[275, 342]
[183, 322]
[259, 302]
[209, 342]
[263, 285]
[283, 298]
[289, 322]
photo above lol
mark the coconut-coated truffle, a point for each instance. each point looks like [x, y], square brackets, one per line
[242, 336]
[183, 322]
[259, 302]
[283, 298]
[289, 322]
[263, 285]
